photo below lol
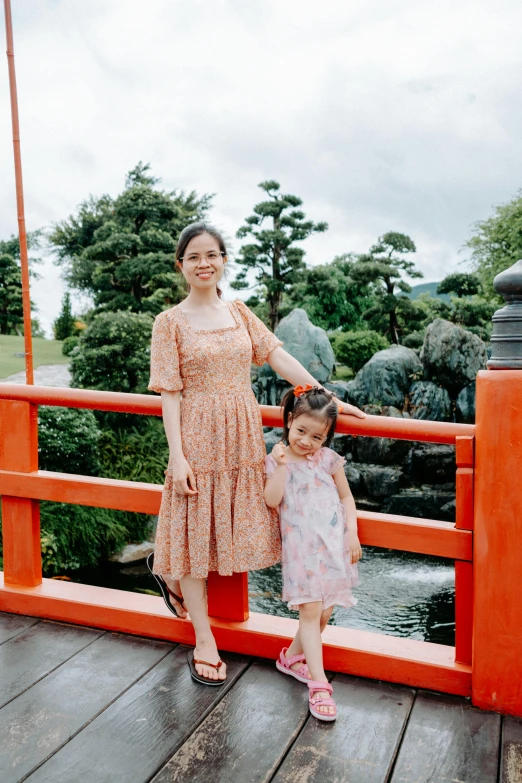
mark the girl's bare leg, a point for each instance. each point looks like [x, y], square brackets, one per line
[296, 648]
[195, 597]
[310, 636]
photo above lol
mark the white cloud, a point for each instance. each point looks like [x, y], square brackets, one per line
[385, 115]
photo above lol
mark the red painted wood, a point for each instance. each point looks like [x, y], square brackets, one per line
[228, 596]
[463, 611]
[364, 654]
[464, 519]
[497, 626]
[20, 518]
[465, 451]
[409, 534]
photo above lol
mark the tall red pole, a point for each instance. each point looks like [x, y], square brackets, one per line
[24, 261]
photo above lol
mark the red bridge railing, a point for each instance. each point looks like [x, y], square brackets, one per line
[363, 653]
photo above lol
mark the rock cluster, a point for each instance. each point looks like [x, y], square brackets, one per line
[437, 383]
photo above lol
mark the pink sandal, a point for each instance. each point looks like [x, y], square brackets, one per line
[284, 664]
[320, 701]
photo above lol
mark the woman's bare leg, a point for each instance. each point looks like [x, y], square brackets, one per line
[195, 597]
[175, 587]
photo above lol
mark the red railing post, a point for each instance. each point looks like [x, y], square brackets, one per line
[464, 569]
[228, 596]
[20, 516]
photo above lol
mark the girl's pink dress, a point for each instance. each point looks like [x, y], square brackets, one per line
[315, 536]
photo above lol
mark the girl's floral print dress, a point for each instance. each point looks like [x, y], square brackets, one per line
[227, 526]
[315, 536]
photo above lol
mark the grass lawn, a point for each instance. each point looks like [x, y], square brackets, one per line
[44, 352]
[342, 373]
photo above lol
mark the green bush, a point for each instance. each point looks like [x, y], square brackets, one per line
[357, 348]
[414, 339]
[114, 353]
[68, 441]
[69, 344]
[135, 455]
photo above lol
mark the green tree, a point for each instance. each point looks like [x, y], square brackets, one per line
[273, 256]
[121, 251]
[64, 325]
[496, 243]
[330, 295]
[356, 348]
[461, 284]
[11, 307]
[113, 353]
[384, 267]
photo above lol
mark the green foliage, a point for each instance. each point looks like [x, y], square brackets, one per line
[11, 307]
[330, 295]
[121, 251]
[460, 284]
[135, 454]
[497, 243]
[69, 344]
[471, 312]
[273, 256]
[113, 353]
[68, 441]
[414, 339]
[383, 267]
[357, 348]
[63, 326]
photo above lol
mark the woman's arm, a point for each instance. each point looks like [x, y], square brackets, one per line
[182, 475]
[294, 372]
[346, 497]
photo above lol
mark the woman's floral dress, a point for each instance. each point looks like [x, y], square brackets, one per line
[227, 526]
[315, 536]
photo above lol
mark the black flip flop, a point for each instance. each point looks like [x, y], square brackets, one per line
[198, 677]
[163, 587]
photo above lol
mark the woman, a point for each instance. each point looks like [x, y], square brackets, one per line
[213, 516]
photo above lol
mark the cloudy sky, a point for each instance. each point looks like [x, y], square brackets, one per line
[400, 115]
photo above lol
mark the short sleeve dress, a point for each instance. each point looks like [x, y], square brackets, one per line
[315, 536]
[227, 526]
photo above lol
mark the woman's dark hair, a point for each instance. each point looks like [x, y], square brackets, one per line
[195, 230]
[315, 402]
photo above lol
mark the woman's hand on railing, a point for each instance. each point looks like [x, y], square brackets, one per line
[183, 479]
[350, 410]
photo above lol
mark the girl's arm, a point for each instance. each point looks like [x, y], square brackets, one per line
[294, 372]
[275, 485]
[346, 497]
[182, 475]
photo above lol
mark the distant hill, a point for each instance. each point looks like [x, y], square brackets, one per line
[427, 288]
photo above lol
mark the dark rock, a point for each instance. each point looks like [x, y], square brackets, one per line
[386, 378]
[272, 437]
[466, 405]
[309, 344]
[342, 444]
[426, 503]
[376, 481]
[449, 510]
[341, 389]
[432, 463]
[382, 451]
[429, 401]
[452, 356]
[353, 474]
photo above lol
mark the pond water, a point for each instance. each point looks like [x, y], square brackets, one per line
[400, 594]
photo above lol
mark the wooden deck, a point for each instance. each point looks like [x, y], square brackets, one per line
[78, 704]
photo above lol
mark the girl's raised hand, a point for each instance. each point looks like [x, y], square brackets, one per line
[279, 454]
[355, 549]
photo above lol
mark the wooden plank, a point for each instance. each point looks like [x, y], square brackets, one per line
[82, 490]
[139, 732]
[410, 534]
[41, 720]
[31, 655]
[13, 624]
[245, 737]
[511, 751]
[362, 743]
[448, 740]
[346, 650]
[463, 611]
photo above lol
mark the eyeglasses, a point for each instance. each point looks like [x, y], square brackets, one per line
[194, 258]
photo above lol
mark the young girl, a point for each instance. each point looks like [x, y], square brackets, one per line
[318, 520]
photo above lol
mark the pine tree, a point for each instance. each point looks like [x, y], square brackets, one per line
[64, 325]
[278, 263]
